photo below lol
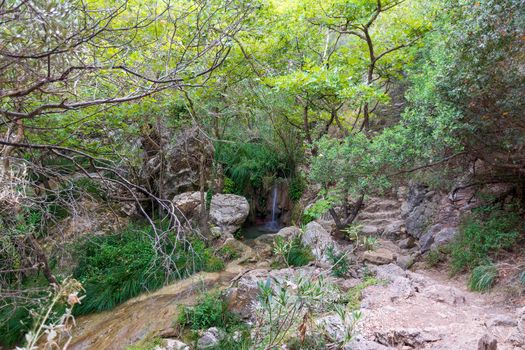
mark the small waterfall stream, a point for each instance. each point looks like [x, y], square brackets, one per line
[273, 225]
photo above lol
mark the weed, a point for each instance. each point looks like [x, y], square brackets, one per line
[339, 261]
[147, 344]
[433, 258]
[210, 311]
[292, 252]
[483, 277]
[354, 294]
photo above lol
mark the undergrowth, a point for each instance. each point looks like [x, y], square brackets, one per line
[117, 267]
[483, 236]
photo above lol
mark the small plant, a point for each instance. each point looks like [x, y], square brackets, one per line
[339, 261]
[433, 258]
[352, 232]
[297, 187]
[228, 253]
[229, 186]
[210, 311]
[316, 210]
[370, 243]
[292, 252]
[354, 294]
[483, 278]
[147, 344]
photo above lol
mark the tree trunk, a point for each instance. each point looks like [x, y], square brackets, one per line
[350, 215]
[42, 260]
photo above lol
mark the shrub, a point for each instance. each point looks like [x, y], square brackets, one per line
[228, 253]
[484, 234]
[339, 261]
[229, 186]
[483, 278]
[117, 267]
[297, 187]
[433, 258]
[293, 252]
[316, 210]
[210, 311]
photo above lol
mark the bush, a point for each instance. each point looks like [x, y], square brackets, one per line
[316, 210]
[292, 252]
[483, 278]
[297, 187]
[433, 258]
[484, 234]
[117, 267]
[210, 311]
[339, 261]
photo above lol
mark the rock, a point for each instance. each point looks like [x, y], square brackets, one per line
[521, 320]
[289, 232]
[444, 236]
[359, 343]
[444, 294]
[369, 230]
[389, 272]
[394, 230]
[404, 261]
[502, 321]
[379, 256]
[228, 212]
[487, 342]
[173, 344]
[210, 339]
[332, 327]
[187, 203]
[346, 283]
[407, 243]
[319, 240]
[413, 337]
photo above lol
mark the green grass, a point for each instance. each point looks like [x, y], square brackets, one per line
[115, 268]
[354, 295]
[483, 278]
[210, 311]
[433, 258]
[483, 236]
[147, 344]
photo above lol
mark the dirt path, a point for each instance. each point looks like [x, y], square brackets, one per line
[425, 310]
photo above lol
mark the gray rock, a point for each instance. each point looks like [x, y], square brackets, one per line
[444, 236]
[407, 243]
[502, 321]
[487, 342]
[521, 320]
[394, 230]
[228, 212]
[389, 272]
[289, 232]
[359, 343]
[369, 230]
[172, 344]
[413, 337]
[426, 241]
[319, 240]
[404, 261]
[380, 256]
[211, 338]
[444, 294]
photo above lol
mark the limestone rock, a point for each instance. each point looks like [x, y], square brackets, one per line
[210, 339]
[487, 342]
[319, 240]
[380, 256]
[289, 232]
[444, 294]
[394, 229]
[413, 337]
[369, 230]
[187, 203]
[173, 344]
[228, 212]
[444, 236]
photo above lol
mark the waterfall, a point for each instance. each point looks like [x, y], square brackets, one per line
[273, 225]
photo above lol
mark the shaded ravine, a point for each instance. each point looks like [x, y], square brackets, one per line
[149, 313]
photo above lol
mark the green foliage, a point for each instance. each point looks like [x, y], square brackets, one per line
[433, 258]
[297, 187]
[316, 210]
[354, 294]
[229, 186]
[228, 253]
[370, 243]
[120, 266]
[210, 311]
[339, 261]
[147, 344]
[483, 235]
[292, 252]
[483, 277]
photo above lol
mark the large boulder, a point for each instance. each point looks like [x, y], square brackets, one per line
[227, 211]
[319, 241]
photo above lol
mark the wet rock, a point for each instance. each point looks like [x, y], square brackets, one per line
[210, 339]
[319, 240]
[487, 342]
[379, 256]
